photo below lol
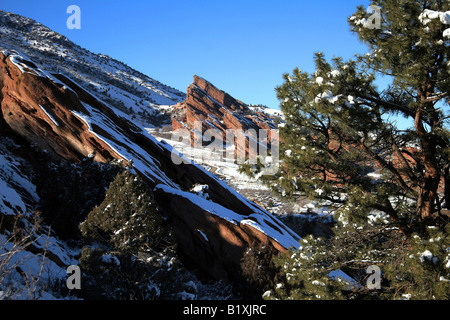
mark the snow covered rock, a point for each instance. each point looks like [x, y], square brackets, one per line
[216, 109]
[57, 115]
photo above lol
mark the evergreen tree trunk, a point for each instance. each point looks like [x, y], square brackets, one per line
[447, 186]
[428, 196]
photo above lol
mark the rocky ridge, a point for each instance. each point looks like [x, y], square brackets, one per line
[61, 118]
[216, 109]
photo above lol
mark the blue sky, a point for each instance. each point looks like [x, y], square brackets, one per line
[241, 46]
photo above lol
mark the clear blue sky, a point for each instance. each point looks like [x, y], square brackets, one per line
[241, 46]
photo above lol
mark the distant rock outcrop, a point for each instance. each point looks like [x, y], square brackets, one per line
[216, 109]
[58, 116]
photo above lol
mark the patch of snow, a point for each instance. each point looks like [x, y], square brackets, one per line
[428, 15]
[200, 189]
[49, 116]
[263, 223]
[335, 73]
[318, 283]
[446, 33]
[339, 274]
[327, 95]
[203, 235]
[427, 256]
[16, 188]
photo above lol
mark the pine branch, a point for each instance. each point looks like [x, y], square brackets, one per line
[387, 166]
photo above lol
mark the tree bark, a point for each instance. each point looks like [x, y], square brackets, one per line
[428, 189]
[447, 186]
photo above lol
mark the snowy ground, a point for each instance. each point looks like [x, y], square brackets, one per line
[24, 270]
[249, 187]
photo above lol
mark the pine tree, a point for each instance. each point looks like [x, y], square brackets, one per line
[417, 269]
[342, 145]
[128, 218]
[339, 126]
[423, 271]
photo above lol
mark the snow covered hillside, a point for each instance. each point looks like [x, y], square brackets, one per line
[25, 267]
[114, 82]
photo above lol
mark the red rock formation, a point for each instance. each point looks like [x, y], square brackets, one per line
[70, 123]
[216, 109]
[211, 108]
[38, 111]
[219, 96]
